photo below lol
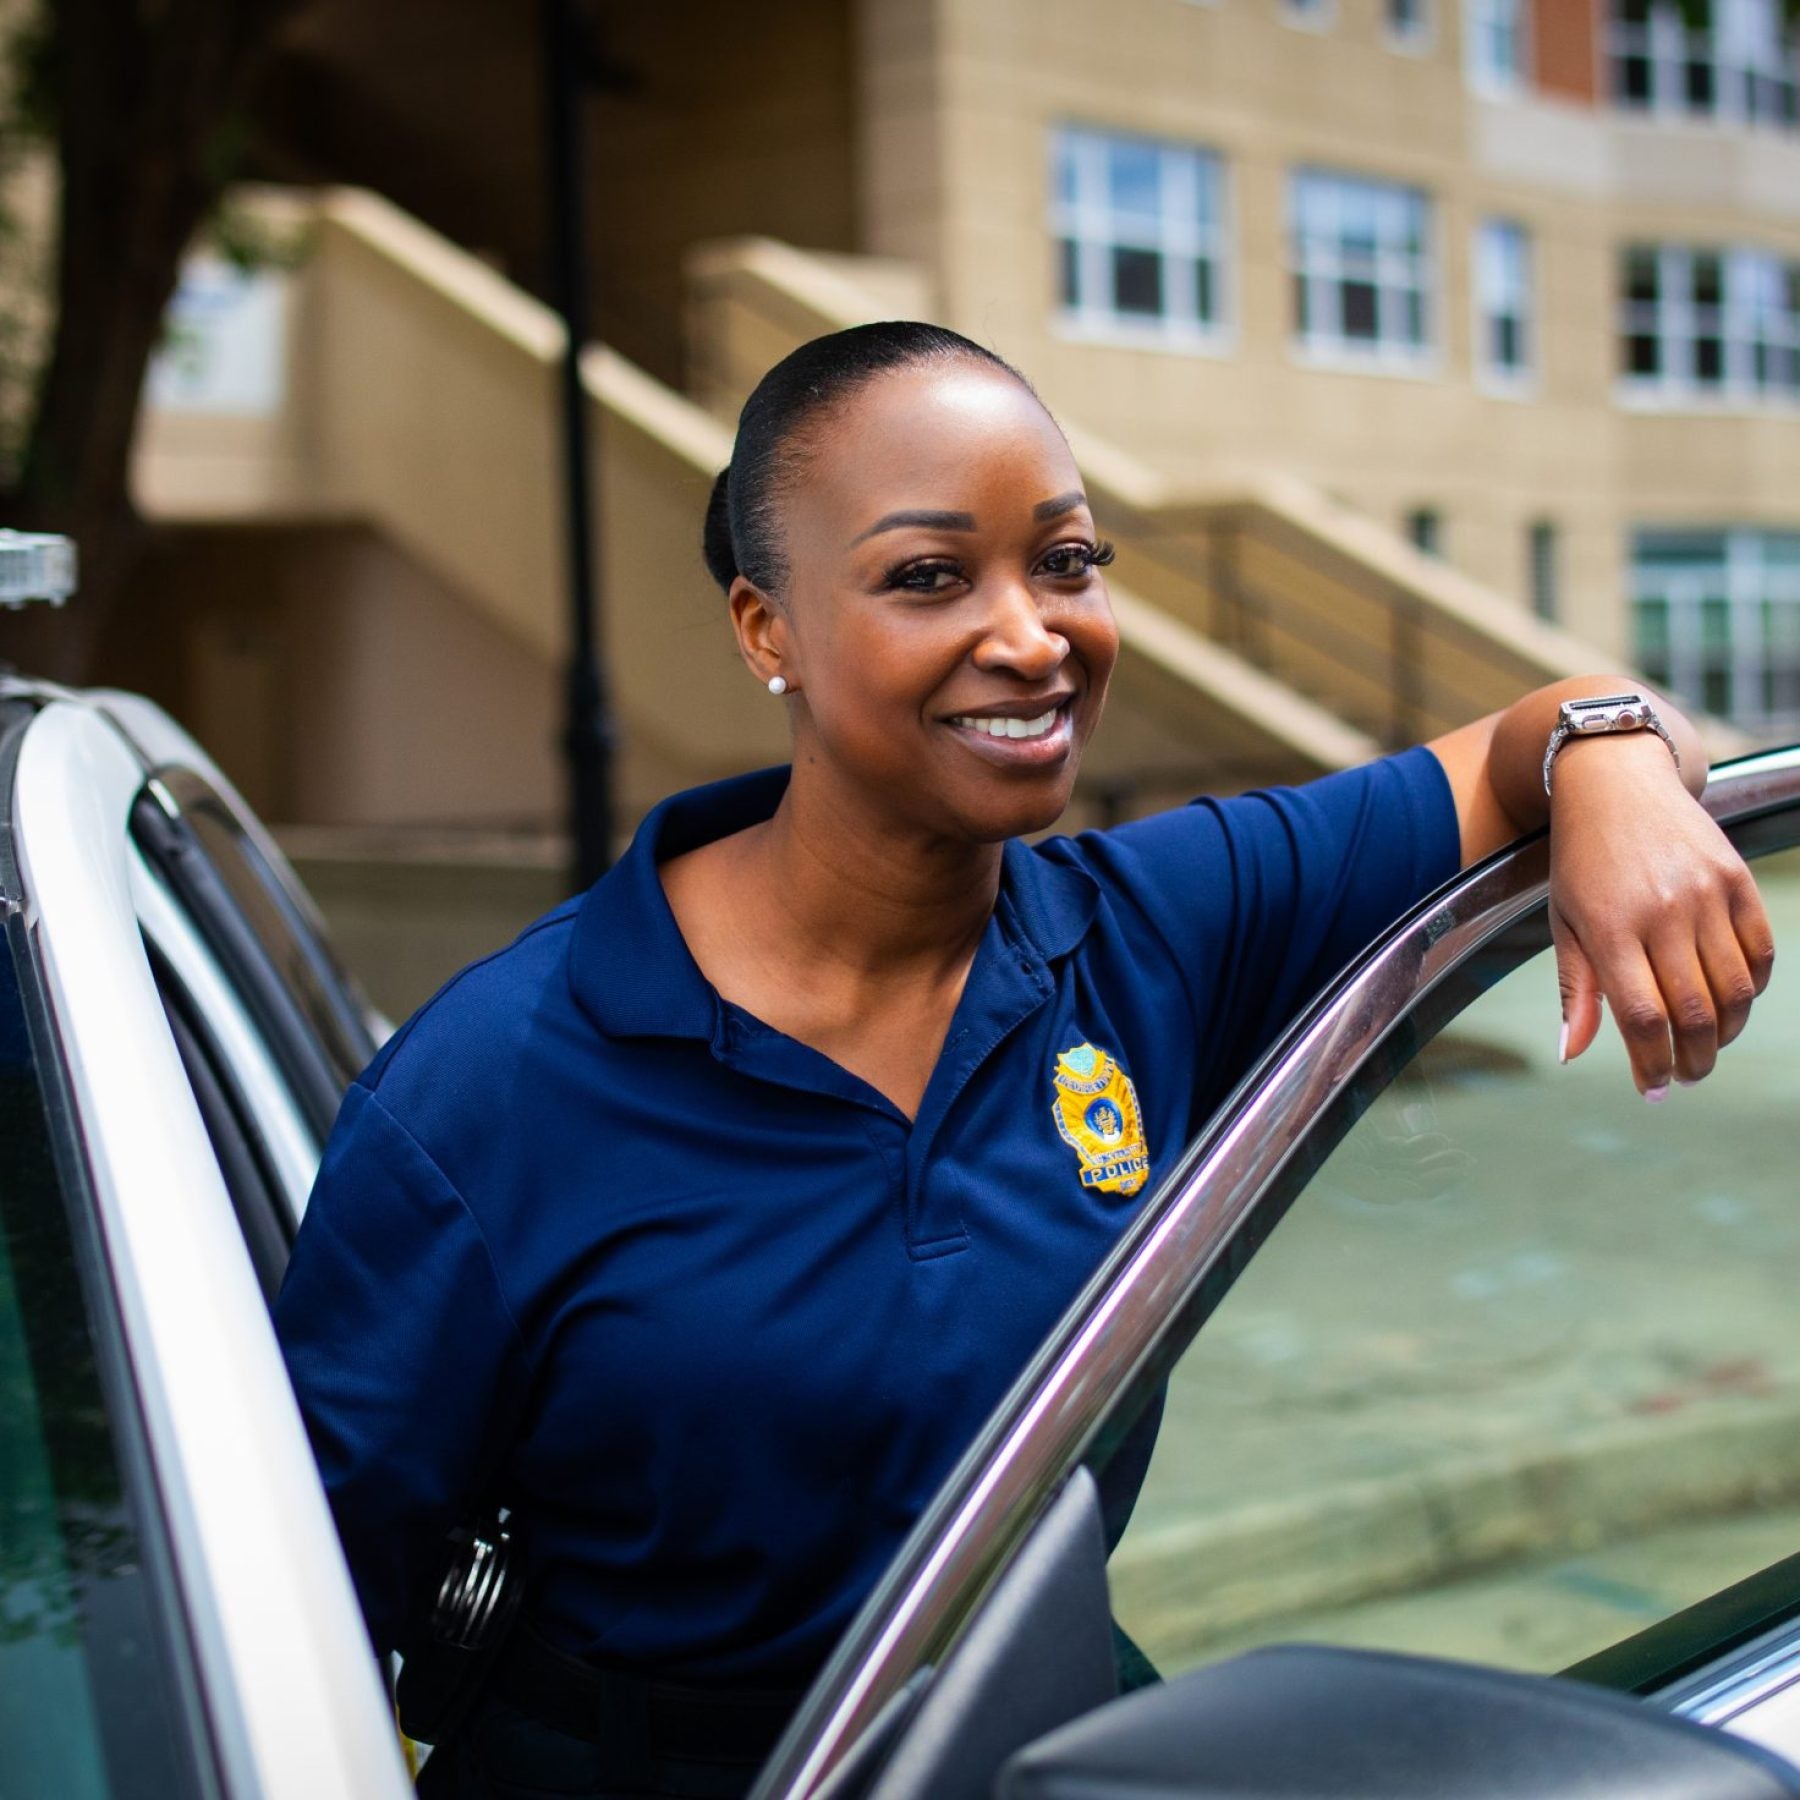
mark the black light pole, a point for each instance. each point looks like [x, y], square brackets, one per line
[587, 732]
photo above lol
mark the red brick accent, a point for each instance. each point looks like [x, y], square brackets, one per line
[1565, 35]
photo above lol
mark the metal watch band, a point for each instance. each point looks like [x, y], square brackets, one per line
[1566, 730]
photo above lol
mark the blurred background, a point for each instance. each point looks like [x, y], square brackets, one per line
[1415, 352]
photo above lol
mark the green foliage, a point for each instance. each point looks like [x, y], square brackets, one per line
[249, 240]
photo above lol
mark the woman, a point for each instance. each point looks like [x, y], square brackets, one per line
[705, 1224]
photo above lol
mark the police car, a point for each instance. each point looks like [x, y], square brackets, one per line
[176, 1619]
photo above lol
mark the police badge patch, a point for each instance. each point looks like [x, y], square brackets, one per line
[1096, 1110]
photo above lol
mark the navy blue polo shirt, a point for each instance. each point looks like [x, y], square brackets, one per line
[711, 1314]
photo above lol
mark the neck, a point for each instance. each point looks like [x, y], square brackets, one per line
[871, 898]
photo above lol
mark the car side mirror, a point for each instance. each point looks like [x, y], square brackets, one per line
[1303, 1722]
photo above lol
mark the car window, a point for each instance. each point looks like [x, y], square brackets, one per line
[264, 1212]
[90, 1696]
[1515, 1375]
[273, 966]
[326, 993]
[238, 1058]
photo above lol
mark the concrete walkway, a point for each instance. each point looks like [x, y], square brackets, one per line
[1523, 1338]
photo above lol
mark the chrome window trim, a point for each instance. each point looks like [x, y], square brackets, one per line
[1111, 1331]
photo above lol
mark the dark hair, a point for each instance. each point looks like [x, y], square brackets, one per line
[742, 533]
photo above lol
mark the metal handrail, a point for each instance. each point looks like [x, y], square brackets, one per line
[1109, 1335]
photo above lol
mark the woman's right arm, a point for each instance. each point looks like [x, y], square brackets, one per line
[407, 1363]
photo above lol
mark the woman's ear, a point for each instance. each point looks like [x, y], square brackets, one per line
[762, 633]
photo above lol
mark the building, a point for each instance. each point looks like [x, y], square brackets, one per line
[1517, 280]
[1520, 280]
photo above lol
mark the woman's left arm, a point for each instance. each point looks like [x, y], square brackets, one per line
[1649, 904]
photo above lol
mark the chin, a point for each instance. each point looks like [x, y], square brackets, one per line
[994, 817]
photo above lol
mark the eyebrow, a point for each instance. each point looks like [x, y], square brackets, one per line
[932, 520]
[1063, 503]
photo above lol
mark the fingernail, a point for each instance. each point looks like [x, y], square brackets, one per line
[1683, 1081]
[1562, 1043]
[1657, 1095]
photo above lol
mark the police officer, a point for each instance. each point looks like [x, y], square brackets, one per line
[705, 1223]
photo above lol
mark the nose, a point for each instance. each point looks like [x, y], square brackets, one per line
[1016, 638]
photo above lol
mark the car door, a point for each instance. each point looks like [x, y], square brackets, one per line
[291, 1698]
[1428, 1343]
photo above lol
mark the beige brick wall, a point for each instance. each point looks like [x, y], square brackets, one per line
[957, 103]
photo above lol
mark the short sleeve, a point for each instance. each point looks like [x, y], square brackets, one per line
[1263, 897]
[407, 1364]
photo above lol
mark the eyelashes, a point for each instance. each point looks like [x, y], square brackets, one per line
[936, 574]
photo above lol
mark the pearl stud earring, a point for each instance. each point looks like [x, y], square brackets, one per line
[777, 686]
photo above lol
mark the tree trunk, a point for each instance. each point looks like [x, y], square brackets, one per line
[150, 96]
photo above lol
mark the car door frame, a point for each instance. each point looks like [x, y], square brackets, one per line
[1176, 1262]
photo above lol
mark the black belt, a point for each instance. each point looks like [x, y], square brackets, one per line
[660, 1735]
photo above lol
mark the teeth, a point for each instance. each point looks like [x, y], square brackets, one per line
[1009, 728]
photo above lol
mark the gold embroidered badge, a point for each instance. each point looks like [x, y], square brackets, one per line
[1096, 1110]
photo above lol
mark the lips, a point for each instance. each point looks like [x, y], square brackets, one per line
[1018, 733]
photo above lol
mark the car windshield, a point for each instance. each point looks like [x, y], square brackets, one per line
[88, 1702]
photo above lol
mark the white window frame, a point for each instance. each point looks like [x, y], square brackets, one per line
[1491, 289]
[1318, 264]
[1746, 42]
[1414, 39]
[1746, 577]
[1483, 20]
[1674, 320]
[1180, 237]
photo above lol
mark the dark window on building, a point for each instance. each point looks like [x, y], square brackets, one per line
[1543, 558]
[1425, 530]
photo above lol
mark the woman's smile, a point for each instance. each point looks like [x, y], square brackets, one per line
[1019, 734]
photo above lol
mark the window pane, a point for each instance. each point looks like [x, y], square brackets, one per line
[1709, 281]
[1204, 304]
[1134, 182]
[1709, 360]
[1699, 86]
[1643, 272]
[1137, 281]
[1414, 313]
[319, 986]
[1069, 271]
[1643, 355]
[1357, 301]
[1541, 550]
[88, 1706]
[1456, 1404]
[1631, 81]
[1064, 155]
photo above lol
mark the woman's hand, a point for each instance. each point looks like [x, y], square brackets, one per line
[1651, 907]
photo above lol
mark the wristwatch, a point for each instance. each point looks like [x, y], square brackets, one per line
[1605, 713]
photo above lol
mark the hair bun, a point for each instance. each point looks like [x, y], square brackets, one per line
[715, 538]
